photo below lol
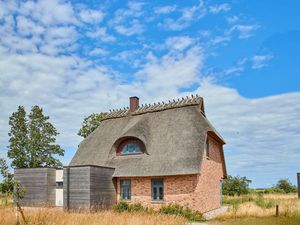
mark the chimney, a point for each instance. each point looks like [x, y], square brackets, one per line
[133, 103]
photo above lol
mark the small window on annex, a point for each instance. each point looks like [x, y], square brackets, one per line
[157, 189]
[59, 185]
[207, 148]
[125, 189]
[131, 147]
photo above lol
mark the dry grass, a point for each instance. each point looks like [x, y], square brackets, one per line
[260, 221]
[289, 206]
[55, 216]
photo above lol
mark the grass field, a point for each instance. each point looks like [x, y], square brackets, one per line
[54, 216]
[260, 210]
[245, 210]
[262, 206]
[260, 221]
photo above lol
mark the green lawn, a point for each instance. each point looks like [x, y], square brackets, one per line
[261, 221]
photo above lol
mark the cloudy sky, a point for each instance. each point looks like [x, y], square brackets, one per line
[74, 58]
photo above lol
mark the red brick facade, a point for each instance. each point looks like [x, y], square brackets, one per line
[199, 192]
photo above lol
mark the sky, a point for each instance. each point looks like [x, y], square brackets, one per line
[74, 58]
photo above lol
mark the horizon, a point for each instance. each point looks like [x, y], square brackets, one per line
[74, 58]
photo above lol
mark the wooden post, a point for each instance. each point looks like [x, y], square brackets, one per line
[277, 210]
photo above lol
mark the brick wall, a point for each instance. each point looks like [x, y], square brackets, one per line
[199, 192]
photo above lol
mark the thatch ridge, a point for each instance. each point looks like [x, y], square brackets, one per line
[155, 107]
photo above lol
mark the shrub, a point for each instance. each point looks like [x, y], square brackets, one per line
[136, 207]
[236, 201]
[235, 186]
[286, 186]
[274, 191]
[175, 209]
[261, 202]
[121, 207]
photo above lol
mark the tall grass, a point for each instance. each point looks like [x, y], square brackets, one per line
[5, 200]
[260, 221]
[56, 216]
[262, 206]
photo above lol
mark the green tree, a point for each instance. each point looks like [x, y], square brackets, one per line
[90, 123]
[7, 185]
[235, 186]
[18, 140]
[286, 186]
[32, 140]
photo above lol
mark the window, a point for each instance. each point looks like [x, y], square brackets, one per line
[207, 147]
[125, 189]
[157, 189]
[59, 184]
[131, 147]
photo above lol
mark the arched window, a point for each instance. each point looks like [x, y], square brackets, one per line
[131, 147]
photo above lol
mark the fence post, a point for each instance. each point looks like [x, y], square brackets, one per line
[277, 210]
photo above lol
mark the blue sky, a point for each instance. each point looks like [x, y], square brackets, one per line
[74, 58]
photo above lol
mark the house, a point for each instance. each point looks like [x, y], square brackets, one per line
[158, 154]
[153, 154]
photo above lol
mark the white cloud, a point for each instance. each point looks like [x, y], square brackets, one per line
[237, 68]
[188, 15]
[135, 6]
[27, 27]
[91, 16]
[233, 70]
[260, 61]
[245, 31]
[221, 39]
[101, 34]
[98, 51]
[165, 9]
[52, 12]
[166, 75]
[215, 9]
[128, 30]
[125, 20]
[179, 43]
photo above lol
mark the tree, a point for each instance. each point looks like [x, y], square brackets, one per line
[32, 140]
[286, 186]
[235, 186]
[90, 123]
[18, 139]
[7, 185]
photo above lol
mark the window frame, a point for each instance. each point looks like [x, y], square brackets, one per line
[128, 186]
[157, 186]
[128, 141]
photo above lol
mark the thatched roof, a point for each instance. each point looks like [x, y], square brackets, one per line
[174, 134]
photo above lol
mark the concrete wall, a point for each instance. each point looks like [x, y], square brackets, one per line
[39, 184]
[88, 187]
[201, 192]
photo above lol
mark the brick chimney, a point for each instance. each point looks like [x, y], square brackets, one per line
[133, 103]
